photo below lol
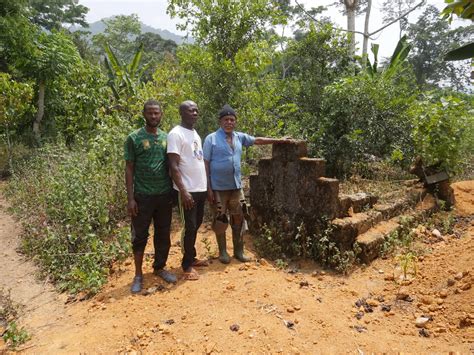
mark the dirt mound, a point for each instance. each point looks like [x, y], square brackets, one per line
[464, 195]
[257, 307]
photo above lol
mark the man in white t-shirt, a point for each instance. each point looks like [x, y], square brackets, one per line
[189, 179]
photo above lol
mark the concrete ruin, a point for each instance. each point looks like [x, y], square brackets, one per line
[290, 190]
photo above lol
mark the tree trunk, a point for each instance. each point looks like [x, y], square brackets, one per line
[39, 113]
[351, 6]
[366, 31]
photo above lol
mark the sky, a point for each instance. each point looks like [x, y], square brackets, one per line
[153, 13]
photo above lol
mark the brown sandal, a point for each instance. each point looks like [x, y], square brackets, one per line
[191, 275]
[200, 263]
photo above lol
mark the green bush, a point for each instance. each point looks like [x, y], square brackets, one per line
[364, 116]
[444, 130]
[72, 202]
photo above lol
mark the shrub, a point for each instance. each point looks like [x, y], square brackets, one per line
[72, 202]
[443, 131]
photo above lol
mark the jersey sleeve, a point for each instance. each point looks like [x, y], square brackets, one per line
[129, 149]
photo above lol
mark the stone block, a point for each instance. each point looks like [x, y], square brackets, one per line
[311, 168]
[265, 168]
[362, 201]
[344, 204]
[289, 151]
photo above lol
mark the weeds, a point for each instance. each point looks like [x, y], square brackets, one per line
[210, 252]
[281, 264]
[317, 246]
[407, 262]
[267, 243]
[9, 312]
[71, 217]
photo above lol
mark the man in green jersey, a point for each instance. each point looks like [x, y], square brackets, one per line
[149, 193]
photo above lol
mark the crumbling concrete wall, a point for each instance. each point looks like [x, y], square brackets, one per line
[291, 189]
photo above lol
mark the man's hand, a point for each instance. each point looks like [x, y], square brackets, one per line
[186, 199]
[132, 208]
[210, 196]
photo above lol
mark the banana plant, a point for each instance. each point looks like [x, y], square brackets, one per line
[399, 56]
[124, 79]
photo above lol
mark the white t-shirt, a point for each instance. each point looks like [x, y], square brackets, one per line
[187, 144]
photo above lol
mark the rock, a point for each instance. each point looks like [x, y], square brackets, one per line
[210, 347]
[290, 309]
[427, 300]
[466, 321]
[386, 307]
[297, 307]
[360, 328]
[359, 315]
[373, 303]
[264, 262]
[436, 233]
[439, 301]
[458, 276]
[403, 294]
[450, 282]
[234, 327]
[443, 293]
[289, 324]
[421, 322]
[465, 286]
[389, 277]
[304, 283]
[169, 321]
[424, 333]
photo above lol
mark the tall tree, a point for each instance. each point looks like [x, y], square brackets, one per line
[53, 14]
[226, 26]
[120, 33]
[394, 10]
[432, 38]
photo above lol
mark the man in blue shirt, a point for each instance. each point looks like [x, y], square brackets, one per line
[222, 155]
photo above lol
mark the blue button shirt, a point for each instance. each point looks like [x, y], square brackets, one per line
[225, 161]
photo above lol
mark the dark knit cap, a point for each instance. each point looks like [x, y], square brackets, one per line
[227, 111]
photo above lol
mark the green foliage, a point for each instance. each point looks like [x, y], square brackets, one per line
[273, 244]
[9, 312]
[362, 116]
[72, 217]
[52, 14]
[408, 261]
[120, 33]
[226, 26]
[401, 238]
[267, 243]
[124, 80]
[461, 8]
[443, 130]
[14, 104]
[431, 38]
[15, 336]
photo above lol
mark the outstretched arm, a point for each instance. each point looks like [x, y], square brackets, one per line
[264, 140]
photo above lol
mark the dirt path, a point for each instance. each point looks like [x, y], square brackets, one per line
[306, 311]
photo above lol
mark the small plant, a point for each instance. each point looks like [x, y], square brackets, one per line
[448, 223]
[281, 264]
[15, 336]
[9, 312]
[210, 251]
[266, 243]
[407, 262]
